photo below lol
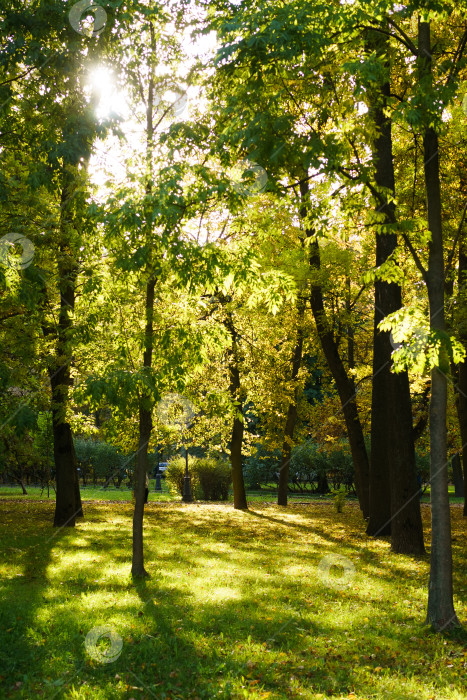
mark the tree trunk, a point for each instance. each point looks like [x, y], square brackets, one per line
[461, 402]
[461, 385]
[406, 518]
[344, 383]
[145, 428]
[145, 399]
[68, 500]
[141, 467]
[292, 414]
[238, 484]
[236, 395]
[394, 506]
[440, 613]
[67, 505]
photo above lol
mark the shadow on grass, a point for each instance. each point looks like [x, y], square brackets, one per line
[234, 604]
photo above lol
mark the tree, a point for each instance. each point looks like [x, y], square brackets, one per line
[440, 613]
[54, 156]
[393, 506]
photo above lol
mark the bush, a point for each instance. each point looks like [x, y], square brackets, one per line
[340, 469]
[313, 469]
[339, 496]
[308, 468]
[422, 463]
[215, 478]
[260, 469]
[210, 478]
[101, 461]
[175, 475]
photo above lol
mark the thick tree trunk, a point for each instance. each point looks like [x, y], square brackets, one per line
[344, 383]
[238, 484]
[68, 500]
[236, 395]
[406, 518]
[440, 613]
[379, 522]
[394, 505]
[292, 415]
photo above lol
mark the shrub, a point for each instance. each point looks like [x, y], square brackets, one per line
[215, 478]
[311, 468]
[422, 463]
[339, 498]
[308, 468]
[175, 475]
[210, 477]
[260, 469]
[101, 461]
[340, 469]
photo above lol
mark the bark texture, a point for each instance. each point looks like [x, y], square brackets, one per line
[145, 399]
[68, 501]
[461, 385]
[394, 504]
[440, 613]
[145, 428]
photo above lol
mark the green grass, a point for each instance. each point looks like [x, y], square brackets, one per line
[235, 606]
[98, 493]
[111, 493]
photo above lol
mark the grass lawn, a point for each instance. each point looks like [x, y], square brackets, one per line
[239, 605]
[111, 493]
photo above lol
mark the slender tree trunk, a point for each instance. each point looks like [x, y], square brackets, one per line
[462, 416]
[68, 500]
[344, 383]
[440, 613]
[236, 395]
[394, 505]
[292, 414]
[461, 385]
[141, 467]
[349, 330]
[145, 428]
[145, 400]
